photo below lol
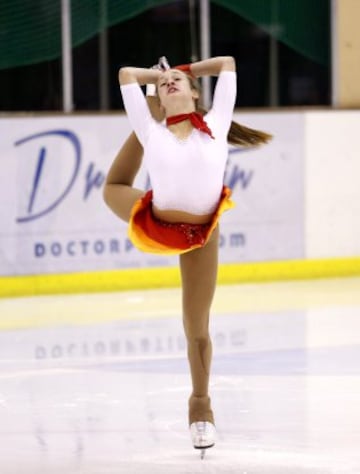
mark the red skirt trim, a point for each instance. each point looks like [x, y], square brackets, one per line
[153, 235]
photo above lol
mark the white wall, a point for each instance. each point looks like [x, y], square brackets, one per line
[332, 184]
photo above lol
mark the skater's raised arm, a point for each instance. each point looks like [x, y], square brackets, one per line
[142, 76]
[212, 66]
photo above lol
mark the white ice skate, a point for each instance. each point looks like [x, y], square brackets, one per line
[203, 436]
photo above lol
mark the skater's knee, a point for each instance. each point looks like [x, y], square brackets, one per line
[121, 199]
[116, 193]
[196, 326]
[114, 197]
[198, 340]
[107, 193]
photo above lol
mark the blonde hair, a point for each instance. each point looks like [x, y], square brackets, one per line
[238, 134]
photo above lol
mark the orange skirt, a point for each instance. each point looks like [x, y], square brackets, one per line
[150, 234]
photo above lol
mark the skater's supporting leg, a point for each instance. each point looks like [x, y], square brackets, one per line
[199, 272]
[119, 194]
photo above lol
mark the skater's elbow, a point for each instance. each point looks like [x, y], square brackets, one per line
[127, 75]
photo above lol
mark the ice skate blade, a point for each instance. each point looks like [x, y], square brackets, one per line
[203, 450]
[204, 447]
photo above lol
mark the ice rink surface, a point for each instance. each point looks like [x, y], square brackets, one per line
[99, 383]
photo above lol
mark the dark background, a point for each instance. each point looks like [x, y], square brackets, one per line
[165, 30]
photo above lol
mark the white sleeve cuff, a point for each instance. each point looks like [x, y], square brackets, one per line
[150, 90]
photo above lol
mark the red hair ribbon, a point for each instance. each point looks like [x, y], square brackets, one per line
[185, 68]
[196, 120]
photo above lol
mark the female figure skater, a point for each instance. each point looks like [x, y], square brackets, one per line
[185, 159]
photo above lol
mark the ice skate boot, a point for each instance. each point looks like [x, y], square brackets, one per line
[203, 435]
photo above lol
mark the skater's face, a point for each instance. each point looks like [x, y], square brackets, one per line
[175, 87]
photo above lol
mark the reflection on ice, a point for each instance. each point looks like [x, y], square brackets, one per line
[111, 397]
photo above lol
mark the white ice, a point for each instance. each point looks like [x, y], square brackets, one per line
[99, 383]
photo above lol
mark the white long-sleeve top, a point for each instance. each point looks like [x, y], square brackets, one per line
[185, 174]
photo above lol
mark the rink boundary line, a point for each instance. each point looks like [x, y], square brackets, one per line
[167, 277]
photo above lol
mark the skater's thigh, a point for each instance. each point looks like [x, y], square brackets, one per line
[198, 274]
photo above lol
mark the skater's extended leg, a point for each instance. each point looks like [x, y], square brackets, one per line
[119, 194]
[199, 273]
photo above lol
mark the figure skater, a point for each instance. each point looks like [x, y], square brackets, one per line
[185, 158]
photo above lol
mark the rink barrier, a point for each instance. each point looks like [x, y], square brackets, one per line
[149, 278]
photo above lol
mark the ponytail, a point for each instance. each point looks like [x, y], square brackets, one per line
[239, 135]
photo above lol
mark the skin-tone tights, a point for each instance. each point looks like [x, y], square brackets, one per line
[198, 274]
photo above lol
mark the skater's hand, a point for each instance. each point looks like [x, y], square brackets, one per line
[163, 64]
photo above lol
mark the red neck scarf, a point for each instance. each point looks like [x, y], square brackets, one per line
[195, 118]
